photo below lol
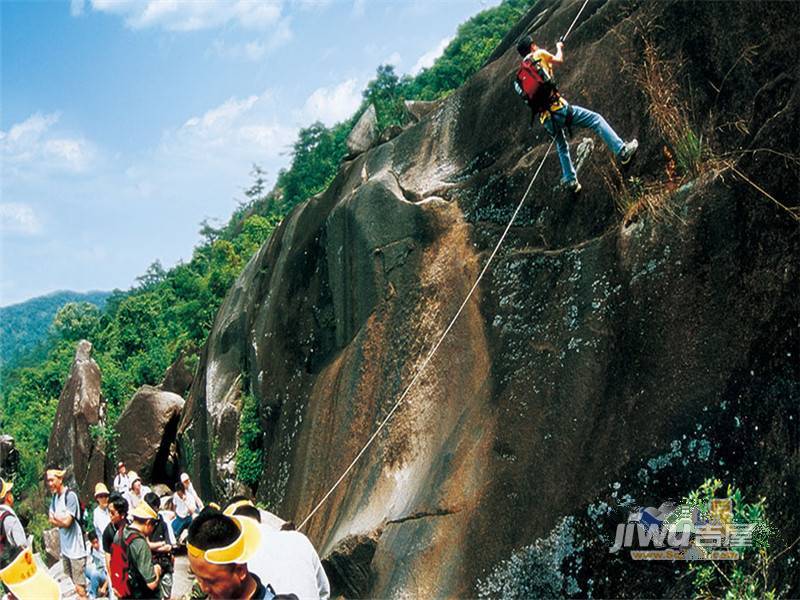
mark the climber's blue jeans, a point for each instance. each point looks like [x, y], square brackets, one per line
[582, 117]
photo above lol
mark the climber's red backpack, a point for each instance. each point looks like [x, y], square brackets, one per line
[535, 86]
[126, 584]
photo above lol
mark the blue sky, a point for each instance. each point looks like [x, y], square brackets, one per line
[125, 123]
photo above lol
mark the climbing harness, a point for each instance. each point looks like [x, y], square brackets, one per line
[435, 347]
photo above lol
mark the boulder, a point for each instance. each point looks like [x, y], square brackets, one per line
[365, 133]
[52, 546]
[81, 407]
[348, 565]
[177, 378]
[419, 109]
[601, 363]
[146, 434]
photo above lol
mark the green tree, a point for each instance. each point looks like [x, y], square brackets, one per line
[76, 321]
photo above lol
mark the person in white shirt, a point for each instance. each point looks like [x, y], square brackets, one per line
[137, 491]
[185, 510]
[100, 516]
[191, 495]
[286, 560]
[12, 531]
[122, 481]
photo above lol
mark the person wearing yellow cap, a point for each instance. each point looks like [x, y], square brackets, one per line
[100, 516]
[21, 574]
[133, 574]
[11, 531]
[286, 560]
[218, 548]
[65, 513]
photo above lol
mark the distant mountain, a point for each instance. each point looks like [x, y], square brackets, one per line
[23, 326]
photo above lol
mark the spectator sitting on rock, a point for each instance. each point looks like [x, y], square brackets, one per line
[218, 548]
[286, 560]
[11, 531]
[96, 567]
[122, 481]
[191, 494]
[187, 505]
[160, 542]
[137, 491]
[64, 513]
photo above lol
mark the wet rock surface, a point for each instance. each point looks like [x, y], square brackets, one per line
[602, 363]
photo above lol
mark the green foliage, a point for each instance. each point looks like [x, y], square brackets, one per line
[76, 321]
[689, 153]
[250, 454]
[24, 327]
[745, 578]
[141, 331]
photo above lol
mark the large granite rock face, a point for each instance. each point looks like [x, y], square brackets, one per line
[603, 362]
[365, 133]
[80, 407]
[147, 433]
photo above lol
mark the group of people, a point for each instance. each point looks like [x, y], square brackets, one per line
[128, 551]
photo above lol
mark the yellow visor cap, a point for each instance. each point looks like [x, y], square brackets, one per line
[27, 581]
[239, 551]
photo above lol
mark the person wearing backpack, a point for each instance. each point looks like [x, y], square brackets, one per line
[132, 572]
[65, 513]
[11, 530]
[161, 546]
[535, 84]
[118, 515]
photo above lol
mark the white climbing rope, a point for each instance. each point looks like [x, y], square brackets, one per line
[446, 331]
[575, 20]
[433, 349]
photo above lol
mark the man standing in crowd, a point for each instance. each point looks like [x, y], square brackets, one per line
[286, 560]
[132, 572]
[100, 517]
[65, 513]
[161, 547]
[219, 547]
[118, 515]
[121, 481]
[11, 531]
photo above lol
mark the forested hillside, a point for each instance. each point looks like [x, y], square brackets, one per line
[140, 332]
[24, 326]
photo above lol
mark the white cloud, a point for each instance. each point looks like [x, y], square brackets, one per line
[76, 7]
[193, 15]
[32, 145]
[254, 50]
[19, 218]
[393, 59]
[247, 129]
[331, 104]
[426, 60]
